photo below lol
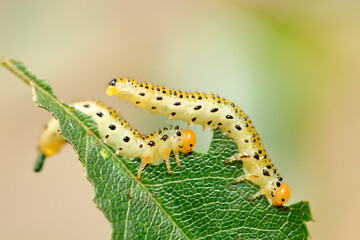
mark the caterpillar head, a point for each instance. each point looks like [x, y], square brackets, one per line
[281, 195]
[189, 141]
[118, 86]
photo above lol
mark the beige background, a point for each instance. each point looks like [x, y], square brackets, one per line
[293, 66]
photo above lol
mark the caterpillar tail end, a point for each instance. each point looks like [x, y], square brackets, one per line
[39, 163]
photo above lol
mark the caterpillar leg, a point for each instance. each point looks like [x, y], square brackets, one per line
[165, 155]
[259, 193]
[204, 128]
[236, 157]
[177, 158]
[247, 176]
[167, 161]
[143, 164]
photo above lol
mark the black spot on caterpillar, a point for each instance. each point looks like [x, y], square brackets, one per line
[210, 110]
[116, 132]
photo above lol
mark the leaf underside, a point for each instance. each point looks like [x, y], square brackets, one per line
[197, 201]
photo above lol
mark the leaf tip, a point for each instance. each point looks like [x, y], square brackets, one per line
[39, 162]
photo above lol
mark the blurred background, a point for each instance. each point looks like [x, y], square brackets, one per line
[293, 66]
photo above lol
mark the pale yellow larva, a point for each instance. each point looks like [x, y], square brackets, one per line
[127, 141]
[212, 111]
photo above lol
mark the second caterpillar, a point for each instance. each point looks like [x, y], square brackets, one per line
[127, 141]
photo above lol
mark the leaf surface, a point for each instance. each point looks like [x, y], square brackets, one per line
[196, 202]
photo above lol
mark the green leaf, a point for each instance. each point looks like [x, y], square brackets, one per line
[196, 202]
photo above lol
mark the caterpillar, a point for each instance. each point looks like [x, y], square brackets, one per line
[127, 141]
[211, 111]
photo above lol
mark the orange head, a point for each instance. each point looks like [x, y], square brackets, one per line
[189, 141]
[281, 195]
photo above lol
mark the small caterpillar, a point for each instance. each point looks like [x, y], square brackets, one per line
[127, 141]
[212, 111]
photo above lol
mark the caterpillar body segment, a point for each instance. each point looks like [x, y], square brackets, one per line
[127, 141]
[210, 110]
[50, 141]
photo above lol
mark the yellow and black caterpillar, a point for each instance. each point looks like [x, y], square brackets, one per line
[127, 141]
[212, 111]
